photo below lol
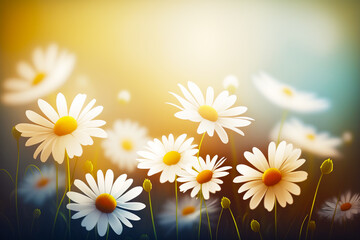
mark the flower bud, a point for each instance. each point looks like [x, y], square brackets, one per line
[147, 185]
[327, 166]
[225, 202]
[16, 134]
[255, 226]
[88, 166]
[36, 213]
[312, 225]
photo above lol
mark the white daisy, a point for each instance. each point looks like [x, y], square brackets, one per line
[347, 207]
[123, 142]
[288, 97]
[50, 69]
[38, 187]
[124, 96]
[307, 138]
[204, 176]
[273, 177]
[62, 130]
[213, 115]
[231, 83]
[105, 202]
[169, 156]
[188, 213]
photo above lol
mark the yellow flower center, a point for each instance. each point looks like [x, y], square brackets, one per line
[287, 91]
[38, 78]
[42, 182]
[171, 158]
[271, 177]
[310, 136]
[105, 203]
[209, 113]
[345, 206]
[65, 125]
[188, 210]
[127, 145]
[204, 176]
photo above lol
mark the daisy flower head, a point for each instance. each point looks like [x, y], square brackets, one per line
[212, 114]
[123, 142]
[188, 213]
[231, 83]
[168, 157]
[38, 187]
[62, 130]
[307, 138]
[203, 176]
[273, 177]
[287, 97]
[347, 207]
[105, 203]
[48, 71]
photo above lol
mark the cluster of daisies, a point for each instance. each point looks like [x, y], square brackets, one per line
[105, 201]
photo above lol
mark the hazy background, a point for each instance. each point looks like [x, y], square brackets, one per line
[148, 47]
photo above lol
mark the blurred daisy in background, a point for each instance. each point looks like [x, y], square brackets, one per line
[123, 142]
[287, 97]
[124, 96]
[168, 157]
[105, 203]
[38, 187]
[188, 213]
[213, 115]
[307, 138]
[48, 71]
[231, 83]
[347, 207]
[203, 176]
[347, 137]
[272, 178]
[63, 130]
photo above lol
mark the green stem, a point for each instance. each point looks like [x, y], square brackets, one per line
[57, 183]
[16, 186]
[8, 175]
[275, 219]
[312, 205]
[207, 214]
[73, 171]
[261, 238]
[107, 232]
[237, 229]
[69, 187]
[284, 114]
[200, 215]
[57, 212]
[302, 225]
[32, 225]
[29, 167]
[333, 217]
[202, 139]
[176, 213]
[217, 227]
[152, 216]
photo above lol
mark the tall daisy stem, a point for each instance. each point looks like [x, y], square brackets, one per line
[312, 206]
[275, 219]
[283, 117]
[57, 212]
[302, 225]
[217, 227]
[16, 186]
[69, 186]
[333, 218]
[152, 216]
[200, 216]
[176, 213]
[207, 214]
[202, 139]
[57, 183]
[237, 229]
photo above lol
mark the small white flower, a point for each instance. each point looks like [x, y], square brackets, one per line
[203, 176]
[124, 96]
[123, 142]
[38, 187]
[348, 206]
[50, 69]
[168, 157]
[288, 97]
[105, 203]
[273, 178]
[213, 115]
[307, 138]
[65, 130]
[231, 83]
[188, 213]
